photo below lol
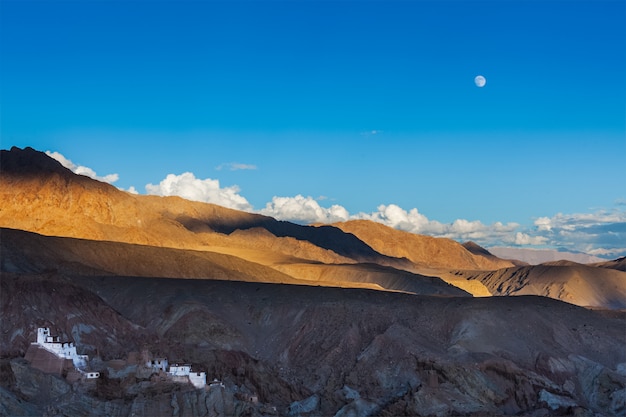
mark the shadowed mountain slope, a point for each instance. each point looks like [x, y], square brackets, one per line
[480, 251]
[349, 352]
[25, 252]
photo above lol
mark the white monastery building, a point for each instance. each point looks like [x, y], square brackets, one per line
[63, 350]
[198, 379]
[158, 364]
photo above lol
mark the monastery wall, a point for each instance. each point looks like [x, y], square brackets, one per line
[47, 361]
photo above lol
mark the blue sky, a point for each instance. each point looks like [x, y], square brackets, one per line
[362, 109]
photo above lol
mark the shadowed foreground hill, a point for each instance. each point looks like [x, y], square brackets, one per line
[309, 350]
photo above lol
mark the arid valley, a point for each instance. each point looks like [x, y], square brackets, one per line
[346, 319]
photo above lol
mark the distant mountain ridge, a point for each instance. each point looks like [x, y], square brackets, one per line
[539, 256]
[39, 195]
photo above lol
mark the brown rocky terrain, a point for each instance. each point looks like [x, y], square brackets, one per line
[322, 351]
[565, 280]
[352, 319]
[424, 251]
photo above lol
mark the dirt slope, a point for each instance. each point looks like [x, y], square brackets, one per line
[619, 264]
[422, 250]
[567, 281]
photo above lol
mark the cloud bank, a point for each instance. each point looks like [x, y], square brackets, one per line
[187, 186]
[304, 210]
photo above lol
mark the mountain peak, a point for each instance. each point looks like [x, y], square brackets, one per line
[29, 161]
[476, 249]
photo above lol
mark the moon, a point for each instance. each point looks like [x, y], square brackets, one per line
[480, 81]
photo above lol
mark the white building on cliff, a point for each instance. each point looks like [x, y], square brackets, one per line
[182, 373]
[63, 351]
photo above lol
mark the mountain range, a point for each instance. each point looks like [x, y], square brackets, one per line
[539, 256]
[352, 318]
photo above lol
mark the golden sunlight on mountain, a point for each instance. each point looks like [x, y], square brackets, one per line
[424, 251]
[39, 195]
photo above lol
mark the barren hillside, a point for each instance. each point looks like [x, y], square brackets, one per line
[38, 194]
[619, 264]
[425, 251]
[321, 351]
[574, 283]
[26, 252]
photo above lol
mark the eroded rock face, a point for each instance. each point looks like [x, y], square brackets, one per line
[310, 351]
[29, 391]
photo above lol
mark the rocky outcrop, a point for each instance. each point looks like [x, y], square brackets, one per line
[319, 351]
[28, 391]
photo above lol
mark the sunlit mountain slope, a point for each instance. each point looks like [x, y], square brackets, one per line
[37, 194]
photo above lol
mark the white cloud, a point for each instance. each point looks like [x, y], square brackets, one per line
[186, 185]
[303, 210]
[543, 224]
[608, 253]
[235, 166]
[398, 218]
[580, 220]
[522, 239]
[601, 233]
[81, 170]
[415, 222]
